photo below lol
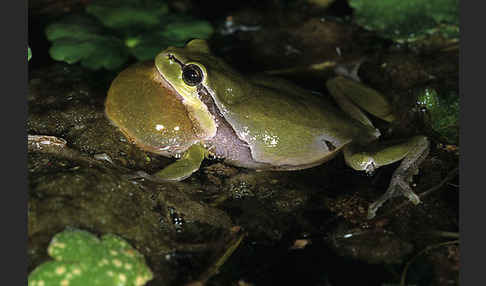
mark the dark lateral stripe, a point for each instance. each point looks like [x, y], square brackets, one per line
[330, 146]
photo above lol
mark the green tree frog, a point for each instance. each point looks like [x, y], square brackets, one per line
[191, 104]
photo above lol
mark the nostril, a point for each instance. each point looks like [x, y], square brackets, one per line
[171, 57]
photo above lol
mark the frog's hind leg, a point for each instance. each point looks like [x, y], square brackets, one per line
[353, 97]
[413, 151]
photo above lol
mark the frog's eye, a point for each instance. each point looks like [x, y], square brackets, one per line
[192, 74]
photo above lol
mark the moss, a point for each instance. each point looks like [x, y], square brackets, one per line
[443, 112]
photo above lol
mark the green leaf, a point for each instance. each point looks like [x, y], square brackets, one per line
[83, 259]
[114, 30]
[110, 53]
[183, 31]
[74, 26]
[71, 50]
[29, 54]
[123, 14]
[149, 45]
[82, 39]
[72, 244]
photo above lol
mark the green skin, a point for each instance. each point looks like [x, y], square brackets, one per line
[284, 126]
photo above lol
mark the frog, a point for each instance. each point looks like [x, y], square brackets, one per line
[191, 105]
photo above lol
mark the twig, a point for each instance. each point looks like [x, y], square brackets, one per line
[214, 268]
[449, 176]
[446, 234]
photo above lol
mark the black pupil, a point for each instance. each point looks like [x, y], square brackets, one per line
[192, 75]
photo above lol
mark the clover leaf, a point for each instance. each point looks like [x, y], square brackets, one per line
[111, 33]
[81, 258]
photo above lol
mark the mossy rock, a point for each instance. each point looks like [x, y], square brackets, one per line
[408, 21]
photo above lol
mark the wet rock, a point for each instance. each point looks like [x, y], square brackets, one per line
[300, 41]
[217, 172]
[65, 192]
[63, 103]
[372, 246]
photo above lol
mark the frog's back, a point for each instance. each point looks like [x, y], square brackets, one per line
[289, 127]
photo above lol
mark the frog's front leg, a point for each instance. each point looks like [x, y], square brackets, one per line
[189, 163]
[413, 151]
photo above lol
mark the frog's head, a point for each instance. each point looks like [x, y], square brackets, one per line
[192, 68]
[186, 71]
[159, 106]
[184, 68]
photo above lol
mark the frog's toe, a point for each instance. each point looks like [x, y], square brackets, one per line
[398, 186]
[370, 168]
[407, 191]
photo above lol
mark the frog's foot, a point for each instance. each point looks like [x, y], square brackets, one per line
[179, 170]
[184, 167]
[398, 186]
[400, 182]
